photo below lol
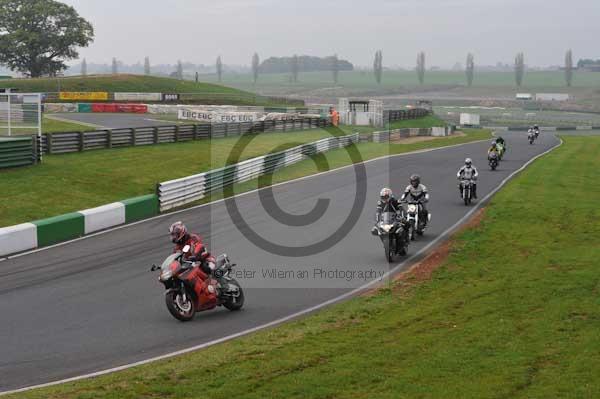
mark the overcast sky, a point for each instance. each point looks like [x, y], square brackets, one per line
[199, 30]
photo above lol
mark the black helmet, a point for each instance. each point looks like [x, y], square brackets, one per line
[415, 180]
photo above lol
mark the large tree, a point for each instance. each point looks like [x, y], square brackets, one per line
[470, 69]
[569, 67]
[421, 67]
[255, 66]
[519, 68]
[38, 36]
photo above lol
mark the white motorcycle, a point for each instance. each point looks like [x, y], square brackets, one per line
[417, 224]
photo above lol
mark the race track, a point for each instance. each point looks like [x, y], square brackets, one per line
[92, 304]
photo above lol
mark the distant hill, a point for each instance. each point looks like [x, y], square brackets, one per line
[306, 64]
[200, 93]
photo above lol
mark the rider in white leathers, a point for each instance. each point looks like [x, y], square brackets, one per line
[468, 172]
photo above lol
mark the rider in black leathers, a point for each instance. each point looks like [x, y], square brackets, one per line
[417, 192]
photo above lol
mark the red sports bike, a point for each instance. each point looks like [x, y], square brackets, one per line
[190, 290]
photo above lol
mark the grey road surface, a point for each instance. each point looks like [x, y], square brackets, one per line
[92, 304]
[115, 121]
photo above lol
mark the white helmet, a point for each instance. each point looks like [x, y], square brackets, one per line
[386, 194]
[468, 162]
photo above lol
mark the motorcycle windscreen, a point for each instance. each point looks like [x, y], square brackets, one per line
[388, 218]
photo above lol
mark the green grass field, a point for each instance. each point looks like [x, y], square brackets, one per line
[205, 93]
[513, 312]
[89, 177]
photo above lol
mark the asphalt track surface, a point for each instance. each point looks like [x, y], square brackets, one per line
[115, 121]
[92, 304]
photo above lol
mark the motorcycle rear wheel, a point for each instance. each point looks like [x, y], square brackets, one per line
[181, 310]
[235, 303]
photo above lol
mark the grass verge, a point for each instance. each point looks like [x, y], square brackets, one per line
[50, 125]
[511, 313]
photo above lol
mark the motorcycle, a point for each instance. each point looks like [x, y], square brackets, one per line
[393, 233]
[466, 189]
[531, 137]
[417, 224]
[493, 160]
[501, 150]
[537, 133]
[190, 290]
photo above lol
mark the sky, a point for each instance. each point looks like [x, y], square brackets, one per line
[446, 30]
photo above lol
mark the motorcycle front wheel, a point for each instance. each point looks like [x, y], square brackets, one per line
[181, 308]
[389, 251]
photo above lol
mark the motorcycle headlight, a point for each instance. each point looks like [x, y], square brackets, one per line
[166, 274]
[412, 208]
[387, 227]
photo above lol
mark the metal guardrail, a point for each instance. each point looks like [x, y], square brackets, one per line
[400, 115]
[389, 135]
[175, 193]
[58, 143]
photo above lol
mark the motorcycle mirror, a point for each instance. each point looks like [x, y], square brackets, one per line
[186, 249]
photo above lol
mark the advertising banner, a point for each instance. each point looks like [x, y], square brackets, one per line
[138, 97]
[170, 97]
[90, 96]
[217, 117]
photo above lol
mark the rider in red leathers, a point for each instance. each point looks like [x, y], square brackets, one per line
[198, 252]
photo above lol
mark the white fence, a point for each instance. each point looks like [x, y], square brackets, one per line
[20, 113]
[174, 193]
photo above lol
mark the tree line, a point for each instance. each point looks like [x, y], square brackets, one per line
[38, 36]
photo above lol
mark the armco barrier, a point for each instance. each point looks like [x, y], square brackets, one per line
[386, 135]
[400, 115]
[175, 193]
[58, 143]
[50, 231]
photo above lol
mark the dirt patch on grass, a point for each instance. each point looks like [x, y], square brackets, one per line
[417, 139]
[422, 270]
